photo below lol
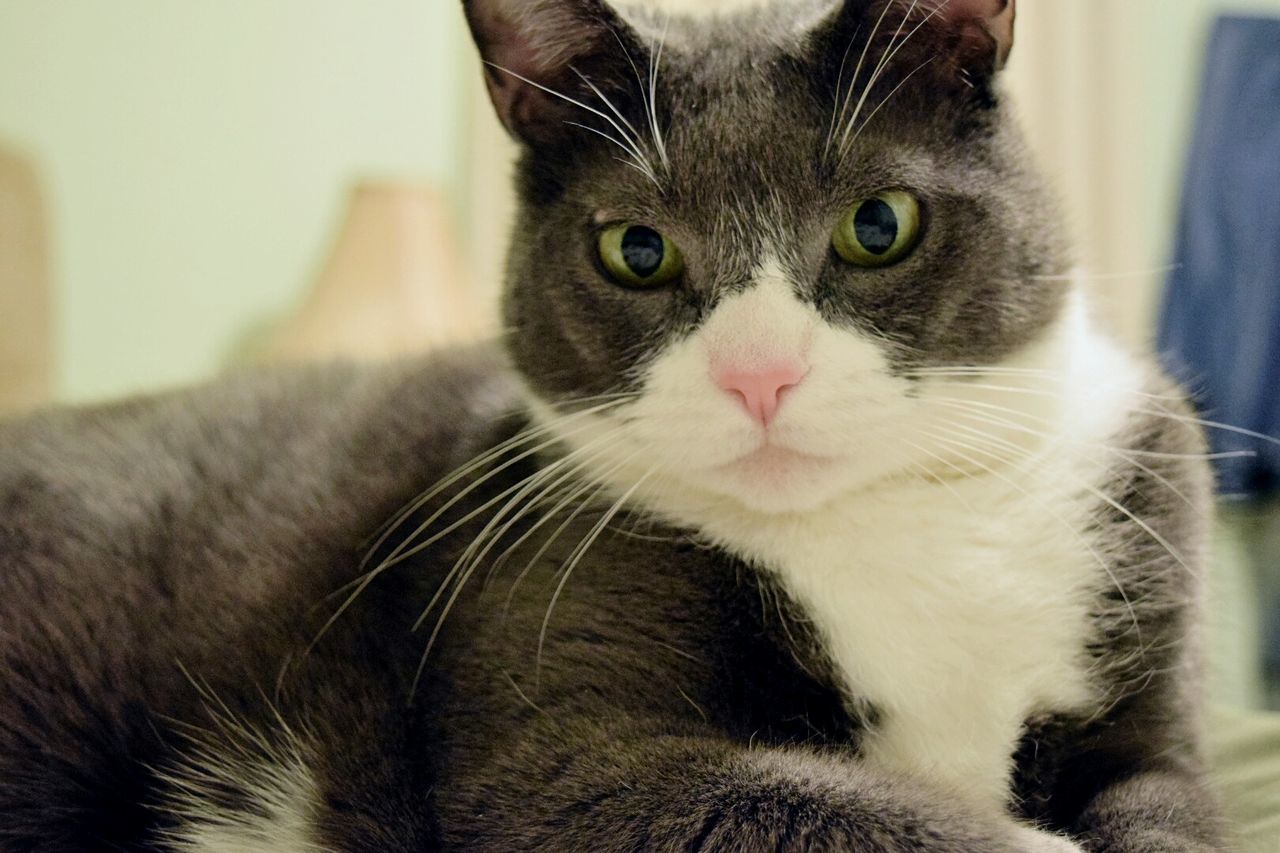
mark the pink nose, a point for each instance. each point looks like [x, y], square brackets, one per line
[760, 391]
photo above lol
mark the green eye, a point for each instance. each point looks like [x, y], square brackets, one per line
[637, 256]
[880, 231]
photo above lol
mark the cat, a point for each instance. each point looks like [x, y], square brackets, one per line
[804, 506]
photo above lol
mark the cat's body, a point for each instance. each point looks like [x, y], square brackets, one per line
[921, 574]
[168, 610]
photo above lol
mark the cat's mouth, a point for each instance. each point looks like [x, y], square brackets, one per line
[772, 461]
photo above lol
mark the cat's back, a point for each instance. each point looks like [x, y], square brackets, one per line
[282, 442]
[186, 529]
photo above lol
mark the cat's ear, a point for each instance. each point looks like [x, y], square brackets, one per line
[964, 43]
[539, 54]
[983, 31]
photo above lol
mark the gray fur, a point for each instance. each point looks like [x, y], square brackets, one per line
[169, 567]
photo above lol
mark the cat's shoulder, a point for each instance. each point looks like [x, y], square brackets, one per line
[277, 434]
[453, 388]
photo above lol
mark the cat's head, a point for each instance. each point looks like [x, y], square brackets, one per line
[768, 230]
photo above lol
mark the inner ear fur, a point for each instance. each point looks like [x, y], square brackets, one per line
[959, 46]
[984, 30]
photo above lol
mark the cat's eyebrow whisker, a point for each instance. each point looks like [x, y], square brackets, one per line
[886, 100]
[648, 95]
[633, 134]
[655, 66]
[841, 102]
[891, 51]
[866, 49]
[638, 163]
[629, 164]
[875, 72]
[627, 143]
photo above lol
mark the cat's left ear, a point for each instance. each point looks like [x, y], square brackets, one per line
[964, 43]
[983, 30]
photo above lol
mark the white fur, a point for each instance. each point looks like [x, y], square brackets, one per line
[284, 792]
[1037, 841]
[951, 588]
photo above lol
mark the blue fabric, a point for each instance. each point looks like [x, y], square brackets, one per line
[1220, 330]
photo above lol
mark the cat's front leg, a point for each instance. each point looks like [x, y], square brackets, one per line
[1137, 782]
[1157, 810]
[1032, 840]
[576, 786]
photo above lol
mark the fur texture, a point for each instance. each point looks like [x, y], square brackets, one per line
[945, 601]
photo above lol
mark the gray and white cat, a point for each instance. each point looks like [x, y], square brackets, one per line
[807, 509]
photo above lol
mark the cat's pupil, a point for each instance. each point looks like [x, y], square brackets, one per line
[877, 226]
[642, 249]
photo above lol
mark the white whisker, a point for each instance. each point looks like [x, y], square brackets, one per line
[456, 591]
[399, 554]
[857, 72]
[626, 144]
[655, 67]
[958, 448]
[886, 57]
[889, 97]
[576, 557]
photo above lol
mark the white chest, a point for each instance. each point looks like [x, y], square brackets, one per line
[957, 620]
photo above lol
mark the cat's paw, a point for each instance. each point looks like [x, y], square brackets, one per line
[1031, 840]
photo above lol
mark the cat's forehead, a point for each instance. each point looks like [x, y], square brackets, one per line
[759, 143]
[745, 103]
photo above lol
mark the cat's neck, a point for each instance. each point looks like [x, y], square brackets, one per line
[928, 587]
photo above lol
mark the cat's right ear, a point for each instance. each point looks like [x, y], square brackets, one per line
[540, 55]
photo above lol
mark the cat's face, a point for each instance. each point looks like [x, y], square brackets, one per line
[774, 249]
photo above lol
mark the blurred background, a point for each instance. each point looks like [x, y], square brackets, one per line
[186, 186]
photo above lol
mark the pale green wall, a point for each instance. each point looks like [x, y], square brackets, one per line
[196, 154]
